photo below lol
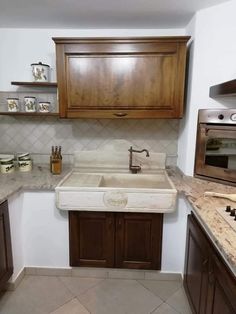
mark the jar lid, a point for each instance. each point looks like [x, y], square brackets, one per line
[29, 97]
[6, 161]
[40, 63]
[13, 98]
[44, 102]
[20, 155]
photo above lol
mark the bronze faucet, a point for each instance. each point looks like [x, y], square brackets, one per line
[135, 169]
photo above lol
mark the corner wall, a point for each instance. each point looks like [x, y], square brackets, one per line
[212, 61]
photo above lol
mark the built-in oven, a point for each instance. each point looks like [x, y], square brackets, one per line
[215, 157]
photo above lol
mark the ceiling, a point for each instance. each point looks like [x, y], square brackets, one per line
[100, 13]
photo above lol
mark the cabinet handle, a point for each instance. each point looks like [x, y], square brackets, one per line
[120, 114]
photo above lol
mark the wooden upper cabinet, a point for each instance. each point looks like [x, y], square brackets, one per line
[121, 77]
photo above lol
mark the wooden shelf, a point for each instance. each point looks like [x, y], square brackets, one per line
[35, 84]
[223, 89]
[35, 114]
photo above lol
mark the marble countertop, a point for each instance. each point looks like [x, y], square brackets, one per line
[221, 233]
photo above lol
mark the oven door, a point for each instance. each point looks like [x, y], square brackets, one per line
[216, 153]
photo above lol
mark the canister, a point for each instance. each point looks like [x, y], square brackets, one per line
[40, 72]
[25, 165]
[13, 104]
[7, 165]
[44, 106]
[30, 103]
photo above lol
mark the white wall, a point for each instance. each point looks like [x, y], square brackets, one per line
[21, 47]
[212, 61]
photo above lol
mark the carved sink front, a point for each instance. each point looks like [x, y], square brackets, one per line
[124, 192]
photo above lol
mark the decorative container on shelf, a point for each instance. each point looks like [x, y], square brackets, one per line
[13, 104]
[30, 103]
[44, 106]
[40, 72]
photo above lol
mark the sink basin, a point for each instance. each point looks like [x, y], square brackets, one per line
[124, 192]
[135, 181]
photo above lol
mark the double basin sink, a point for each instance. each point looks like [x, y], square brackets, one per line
[126, 192]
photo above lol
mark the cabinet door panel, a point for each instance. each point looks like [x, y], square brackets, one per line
[138, 240]
[222, 288]
[196, 265]
[91, 239]
[117, 81]
[6, 262]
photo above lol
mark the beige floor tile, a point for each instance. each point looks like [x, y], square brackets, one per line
[164, 308]
[72, 307]
[35, 295]
[163, 289]
[78, 285]
[119, 297]
[179, 302]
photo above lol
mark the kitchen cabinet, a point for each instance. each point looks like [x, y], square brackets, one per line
[122, 240]
[91, 238]
[6, 263]
[209, 284]
[121, 77]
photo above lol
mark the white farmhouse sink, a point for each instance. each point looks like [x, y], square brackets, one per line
[126, 192]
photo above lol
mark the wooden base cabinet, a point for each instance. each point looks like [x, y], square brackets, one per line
[209, 284]
[6, 263]
[122, 240]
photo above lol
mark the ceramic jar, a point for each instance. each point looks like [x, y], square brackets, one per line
[13, 104]
[44, 106]
[30, 103]
[24, 162]
[7, 165]
[40, 72]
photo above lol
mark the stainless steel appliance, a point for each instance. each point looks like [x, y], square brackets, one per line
[215, 157]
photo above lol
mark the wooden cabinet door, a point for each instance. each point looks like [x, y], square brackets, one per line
[91, 239]
[6, 263]
[121, 77]
[196, 267]
[222, 288]
[138, 240]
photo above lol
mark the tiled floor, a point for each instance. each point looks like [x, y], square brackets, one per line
[76, 295]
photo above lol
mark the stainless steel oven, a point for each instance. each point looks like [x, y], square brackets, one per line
[215, 157]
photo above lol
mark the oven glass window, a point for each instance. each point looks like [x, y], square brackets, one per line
[221, 152]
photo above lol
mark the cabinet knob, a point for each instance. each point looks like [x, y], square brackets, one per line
[120, 114]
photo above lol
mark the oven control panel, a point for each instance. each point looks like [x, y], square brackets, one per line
[218, 116]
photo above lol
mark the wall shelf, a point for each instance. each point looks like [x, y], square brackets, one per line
[35, 84]
[35, 114]
[223, 89]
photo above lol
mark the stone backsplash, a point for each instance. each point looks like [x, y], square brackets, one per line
[37, 134]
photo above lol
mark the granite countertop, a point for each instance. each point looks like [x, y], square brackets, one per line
[221, 233]
[219, 230]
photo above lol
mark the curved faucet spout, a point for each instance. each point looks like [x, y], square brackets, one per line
[132, 168]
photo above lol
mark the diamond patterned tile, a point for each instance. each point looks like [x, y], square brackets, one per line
[119, 297]
[38, 134]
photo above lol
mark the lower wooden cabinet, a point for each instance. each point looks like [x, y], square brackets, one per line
[209, 284]
[122, 240]
[6, 263]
